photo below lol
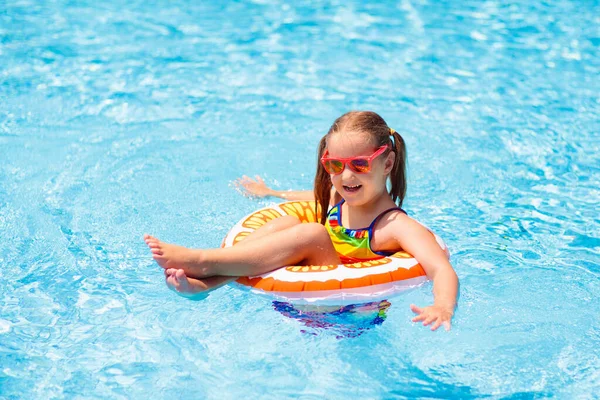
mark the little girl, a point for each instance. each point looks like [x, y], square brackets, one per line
[356, 158]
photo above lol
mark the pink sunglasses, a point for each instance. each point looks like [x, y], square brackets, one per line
[360, 165]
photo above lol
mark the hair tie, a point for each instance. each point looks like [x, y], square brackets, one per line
[392, 136]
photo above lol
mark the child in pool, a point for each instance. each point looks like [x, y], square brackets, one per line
[356, 158]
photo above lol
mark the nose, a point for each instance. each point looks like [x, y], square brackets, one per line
[347, 173]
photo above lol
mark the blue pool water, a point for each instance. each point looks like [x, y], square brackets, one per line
[120, 118]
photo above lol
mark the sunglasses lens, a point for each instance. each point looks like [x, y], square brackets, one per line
[360, 165]
[333, 166]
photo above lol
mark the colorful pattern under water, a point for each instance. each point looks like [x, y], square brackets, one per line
[120, 118]
[345, 321]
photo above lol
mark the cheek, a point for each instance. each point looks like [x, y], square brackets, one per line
[379, 171]
[335, 179]
[373, 179]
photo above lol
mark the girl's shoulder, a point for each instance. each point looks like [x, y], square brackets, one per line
[397, 223]
[386, 229]
[393, 217]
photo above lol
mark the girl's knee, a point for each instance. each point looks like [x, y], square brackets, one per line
[281, 223]
[316, 245]
[314, 232]
[288, 220]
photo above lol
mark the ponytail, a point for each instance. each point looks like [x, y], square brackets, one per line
[398, 173]
[322, 187]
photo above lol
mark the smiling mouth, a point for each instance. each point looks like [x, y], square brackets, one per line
[352, 189]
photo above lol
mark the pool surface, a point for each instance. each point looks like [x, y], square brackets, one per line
[119, 119]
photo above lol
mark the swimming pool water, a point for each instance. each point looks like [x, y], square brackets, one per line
[120, 119]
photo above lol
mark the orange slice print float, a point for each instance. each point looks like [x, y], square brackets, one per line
[401, 254]
[260, 218]
[369, 264]
[240, 236]
[311, 268]
[303, 210]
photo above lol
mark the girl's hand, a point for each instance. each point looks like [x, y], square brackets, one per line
[439, 315]
[254, 188]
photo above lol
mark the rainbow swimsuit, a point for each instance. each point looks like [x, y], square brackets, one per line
[353, 245]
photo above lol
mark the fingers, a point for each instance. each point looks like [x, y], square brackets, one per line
[420, 317]
[429, 320]
[432, 315]
[437, 324]
[416, 309]
[246, 185]
[251, 187]
[246, 180]
[441, 322]
[241, 181]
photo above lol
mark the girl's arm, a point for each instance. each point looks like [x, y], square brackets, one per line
[257, 188]
[415, 239]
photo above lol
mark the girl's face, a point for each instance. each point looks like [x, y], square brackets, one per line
[359, 188]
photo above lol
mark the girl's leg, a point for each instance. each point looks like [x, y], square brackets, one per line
[307, 244]
[275, 225]
[179, 282]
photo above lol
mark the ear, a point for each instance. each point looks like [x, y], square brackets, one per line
[389, 162]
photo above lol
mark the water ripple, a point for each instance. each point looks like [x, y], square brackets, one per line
[123, 119]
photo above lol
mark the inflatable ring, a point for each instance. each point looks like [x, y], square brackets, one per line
[326, 284]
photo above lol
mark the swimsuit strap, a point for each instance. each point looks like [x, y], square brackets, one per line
[382, 253]
[381, 215]
[337, 210]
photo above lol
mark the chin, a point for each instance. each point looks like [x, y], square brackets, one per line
[355, 200]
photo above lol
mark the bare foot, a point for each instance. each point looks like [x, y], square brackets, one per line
[177, 257]
[178, 281]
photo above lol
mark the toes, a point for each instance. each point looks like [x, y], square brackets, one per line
[153, 245]
[180, 275]
[148, 238]
[172, 283]
[157, 252]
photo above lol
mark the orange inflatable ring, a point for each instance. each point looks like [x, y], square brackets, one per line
[326, 284]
